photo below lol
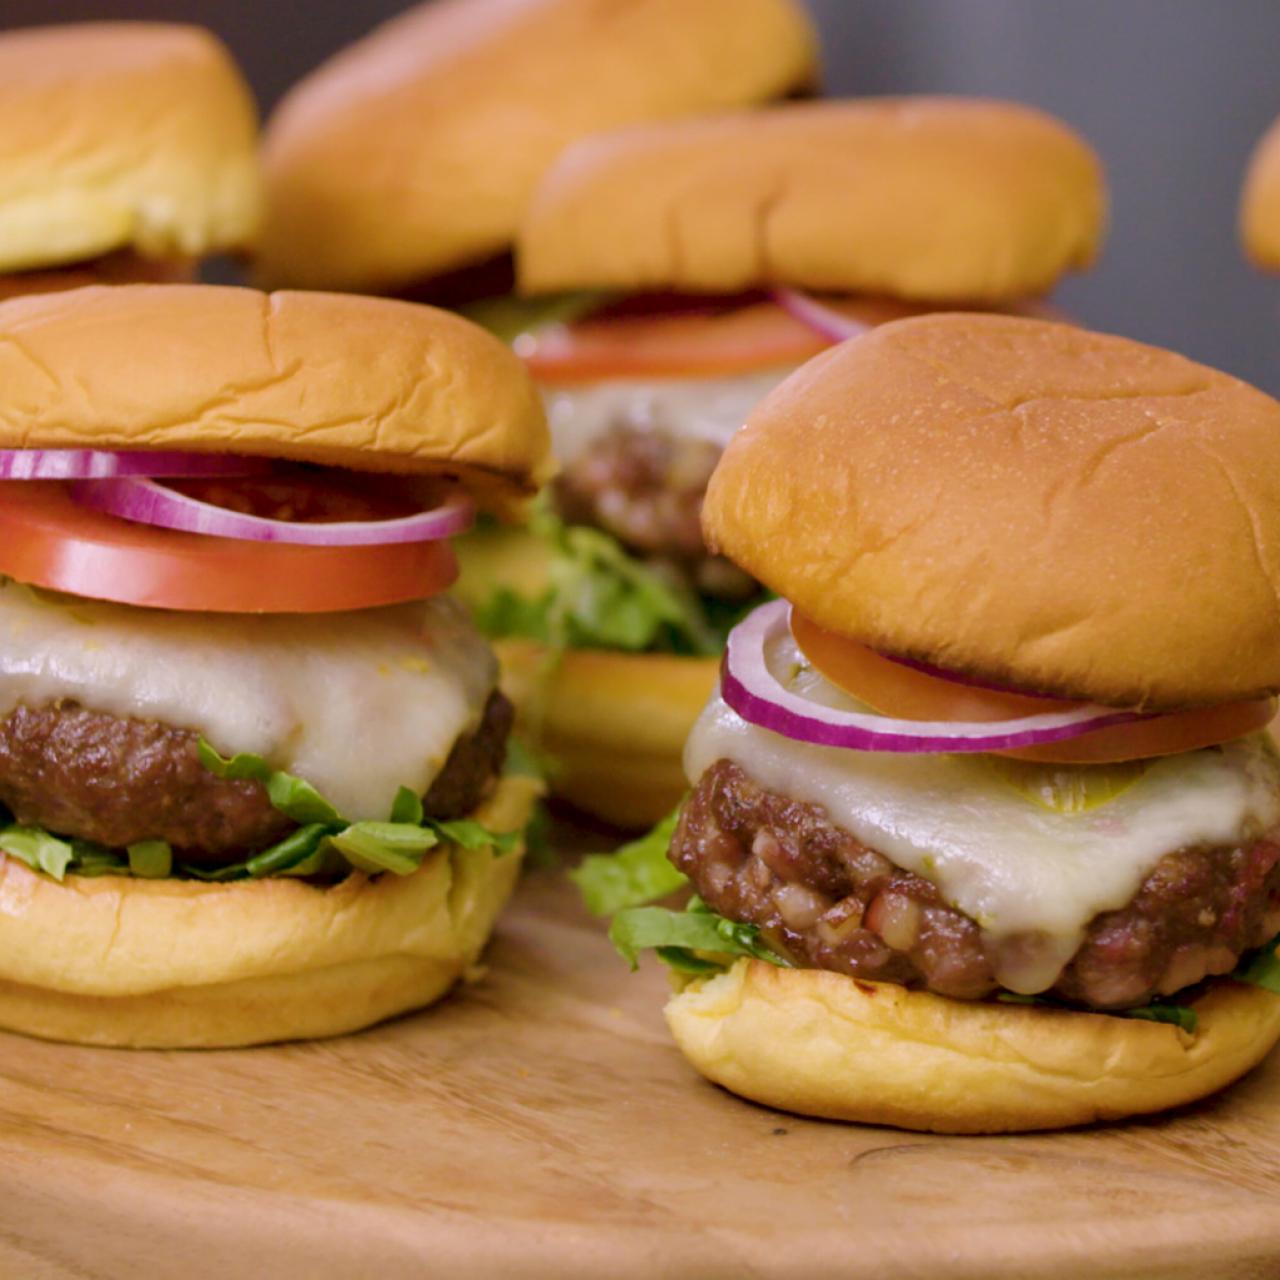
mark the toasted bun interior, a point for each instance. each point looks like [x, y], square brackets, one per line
[352, 382]
[1027, 502]
[414, 151]
[823, 1044]
[123, 134]
[185, 964]
[920, 198]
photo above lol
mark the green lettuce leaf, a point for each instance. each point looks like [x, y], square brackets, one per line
[294, 797]
[397, 847]
[38, 849]
[600, 596]
[509, 316]
[635, 874]
[150, 859]
[677, 935]
[1262, 968]
[1180, 1015]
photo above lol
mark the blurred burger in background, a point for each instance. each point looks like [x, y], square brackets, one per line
[404, 164]
[128, 154]
[252, 758]
[1260, 202]
[703, 261]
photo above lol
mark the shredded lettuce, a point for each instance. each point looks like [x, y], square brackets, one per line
[38, 849]
[324, 844]
[600, 596]
[1262, 968]
[1180, 1015]
[692, 940]
[508, 316]
[150, 859]
[633, 875]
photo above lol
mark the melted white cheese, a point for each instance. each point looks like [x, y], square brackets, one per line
[710, 409]
[1032, 878]
[358, 703]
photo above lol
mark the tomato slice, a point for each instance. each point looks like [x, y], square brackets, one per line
[115, 268]
[47, 540]
[907, 693]
[697, 341]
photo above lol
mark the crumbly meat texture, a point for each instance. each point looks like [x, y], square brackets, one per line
[645, 486]
[829, 902]
[82, 773]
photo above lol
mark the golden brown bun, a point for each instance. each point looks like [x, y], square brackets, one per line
[184, 964]
[123, 134]
[1027, 502]
[823, 1044]
[343, 381]
[415, 151]
[1260, 203]
[929, 198]
[612, 725]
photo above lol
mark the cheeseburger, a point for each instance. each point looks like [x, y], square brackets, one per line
[129, 154]
[251, 758]
[701, 242]
[985, 824]
[1260, 202]
[404, 164]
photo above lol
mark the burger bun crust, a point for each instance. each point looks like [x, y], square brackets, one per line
[822, 1044]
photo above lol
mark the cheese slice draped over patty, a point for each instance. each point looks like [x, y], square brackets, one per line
[1032, 878]
[710, 409]
[359, 704]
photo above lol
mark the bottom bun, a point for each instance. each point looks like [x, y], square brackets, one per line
[186, 964]
[823, 1044]
[611, 725]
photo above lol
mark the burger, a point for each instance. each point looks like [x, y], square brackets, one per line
[721, 254]
[984, 828]
[130, 154]
[1260, 202]
[252, 760]
[403, 165]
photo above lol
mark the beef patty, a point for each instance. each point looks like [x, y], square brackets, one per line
[829, 902]
[98, 777]
[645, 487]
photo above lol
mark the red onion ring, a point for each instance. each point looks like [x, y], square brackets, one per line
[822, 319]
[752, 690]
[145, 502]
[106, 464]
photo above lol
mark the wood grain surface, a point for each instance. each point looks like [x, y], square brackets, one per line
[539, 1123]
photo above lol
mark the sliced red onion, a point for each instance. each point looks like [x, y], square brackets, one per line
[145, 502]
[752, 690]
[104, 464]
[822, 319]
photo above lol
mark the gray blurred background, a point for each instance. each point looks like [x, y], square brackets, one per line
[1173, 93]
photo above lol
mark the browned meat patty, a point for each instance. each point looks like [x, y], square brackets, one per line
[645, 486]
[114, 781]
[829, 902]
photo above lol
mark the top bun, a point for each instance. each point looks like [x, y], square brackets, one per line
[123, 134]
[940, 199]
[1260, 203]
[365, 383]
[1025, 502]
[415, 151]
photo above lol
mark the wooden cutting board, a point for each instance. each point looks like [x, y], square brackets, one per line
[539, 1123]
